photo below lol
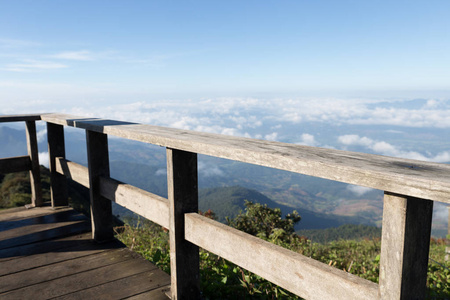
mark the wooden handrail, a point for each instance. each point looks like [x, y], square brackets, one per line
[408, 177]
[410, 188]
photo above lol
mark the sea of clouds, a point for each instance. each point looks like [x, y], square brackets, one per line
[326, 122]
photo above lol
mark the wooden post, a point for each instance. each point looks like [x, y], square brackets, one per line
[182, 184]
[405, 247]
[35, 174]
[98, 164]
[56, 148]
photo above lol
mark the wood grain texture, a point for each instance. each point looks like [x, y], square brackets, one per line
[413, 178]
[182, 183]
[35, 173]
[73, 171]
[405, 247]
[19, 118]
[146, 204]
[56, 148]
[299, 274]
[98, 165]
[73, 266]
[15, 164]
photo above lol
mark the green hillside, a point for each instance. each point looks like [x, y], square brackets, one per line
[229, 201]
[343, 232]
[15, 189]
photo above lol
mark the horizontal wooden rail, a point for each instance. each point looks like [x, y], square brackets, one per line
[413, 178]
[146, 204]
[409, 185]
[15, 164]
[73, 171]
[297, 273]
[19, 118]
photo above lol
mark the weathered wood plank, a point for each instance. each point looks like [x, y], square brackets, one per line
[69, 250]
[149, 282]
[402, 176]
[19, 118]
[156, 294]
[72, 267]
[69, 266]
[73, 171]
[18, 213]
[405, 247]
[15, 164]
[38, 220]
[101, 210]
[80, 281]
[56, 148]
[35, 173]
[8, 239]
[39, 247]
[299, 274]
[182, 183]
[146, 204]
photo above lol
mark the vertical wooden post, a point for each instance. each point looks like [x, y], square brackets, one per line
[182, 184]
[56, 148]
[35, 174]
[98, 164]
[405, 247]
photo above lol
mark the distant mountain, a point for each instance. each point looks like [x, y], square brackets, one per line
[13, 142]
[321, 203]
[229, 201]
[343, 232]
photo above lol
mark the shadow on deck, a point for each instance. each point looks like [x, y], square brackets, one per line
[46, 253]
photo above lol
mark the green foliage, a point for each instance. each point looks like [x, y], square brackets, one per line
[221, 279]
[148, 239]
[15, 189]
[343, 232]
[264, 222]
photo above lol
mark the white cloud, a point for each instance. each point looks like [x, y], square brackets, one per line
[387, 149]
[308, 140]
[11, 43]
[33, 66]
[209, 170]
[353, 139]
[41, 135]
[358, 190]
[271, 137]
[82, 55]
[43, 159]
[161, 172]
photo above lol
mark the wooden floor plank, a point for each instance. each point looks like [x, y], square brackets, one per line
[46, 254]
[62, 269]
[80, 281]
[37, 219]
[46, 246]
[85, 248]
[156, 294]
[148, 282]
[18, 213]
[47, 232]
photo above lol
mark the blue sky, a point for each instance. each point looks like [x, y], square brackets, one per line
[122, 51]
[370, 76]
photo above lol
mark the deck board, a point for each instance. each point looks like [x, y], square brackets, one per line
[47, 253]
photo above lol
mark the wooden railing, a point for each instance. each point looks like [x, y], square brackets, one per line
[410, 188]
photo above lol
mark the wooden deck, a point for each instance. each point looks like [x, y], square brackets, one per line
[49, 254]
